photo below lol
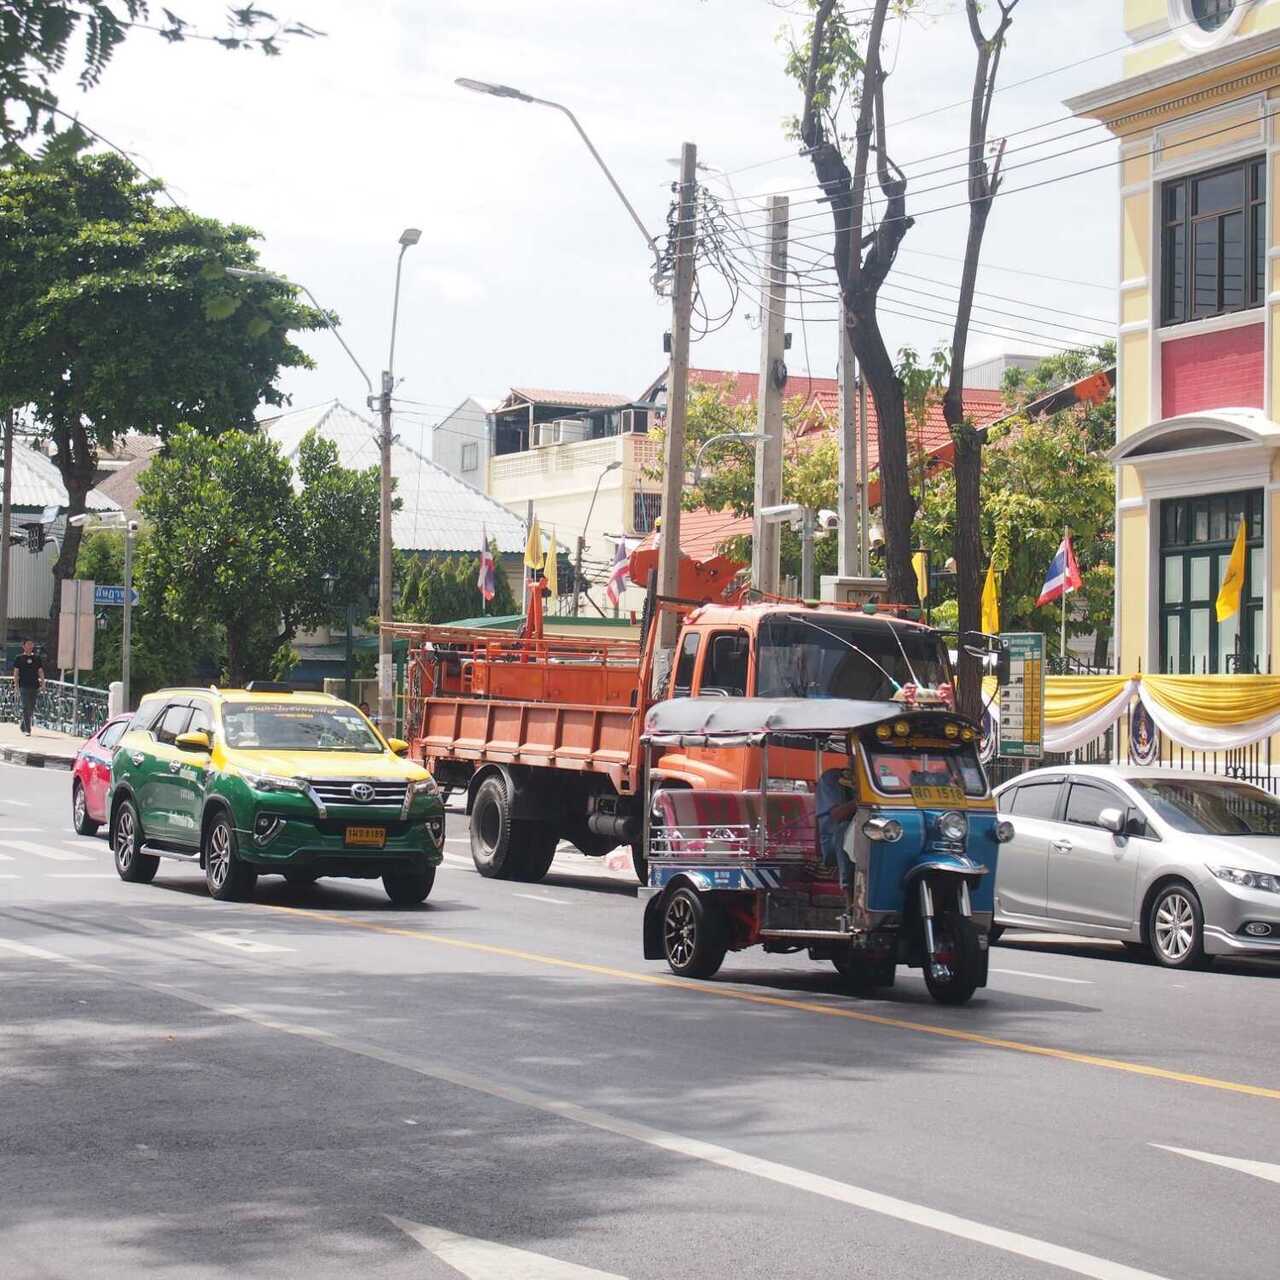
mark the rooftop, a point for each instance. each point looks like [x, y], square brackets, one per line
[569, 399]
[37, 484]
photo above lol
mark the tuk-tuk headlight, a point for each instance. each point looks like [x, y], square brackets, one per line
[951, 730]
[1003, 831]
[883, 731]
[953, 825]
[886, 829]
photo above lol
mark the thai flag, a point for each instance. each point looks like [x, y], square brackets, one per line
[485, 580]
[1064, 574]
[618, 578]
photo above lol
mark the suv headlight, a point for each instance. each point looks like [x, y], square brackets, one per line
[270, 782]
[423, 787]
[1248, 879]
[953, 825]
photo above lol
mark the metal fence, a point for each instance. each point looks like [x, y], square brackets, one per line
[60, 705]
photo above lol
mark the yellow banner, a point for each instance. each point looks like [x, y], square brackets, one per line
[1216, 700]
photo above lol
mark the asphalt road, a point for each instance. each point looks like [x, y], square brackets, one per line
[496, 1084]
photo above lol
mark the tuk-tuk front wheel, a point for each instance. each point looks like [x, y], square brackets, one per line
[695, 934]
[954, 972]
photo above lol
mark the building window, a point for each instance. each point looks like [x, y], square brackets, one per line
[1214, 242]
[471, 457]
[1211, 14]
[1196, 537]
[646, 509]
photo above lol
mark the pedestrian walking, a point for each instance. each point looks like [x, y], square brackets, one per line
[28, 679]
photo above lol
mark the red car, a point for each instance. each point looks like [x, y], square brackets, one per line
[91, 777]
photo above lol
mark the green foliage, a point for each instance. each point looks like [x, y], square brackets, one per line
[237, 552]
[37, 39]
[1039, 477]
[442, 588]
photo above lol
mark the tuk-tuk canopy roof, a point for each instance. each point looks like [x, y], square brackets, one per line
[741, 721]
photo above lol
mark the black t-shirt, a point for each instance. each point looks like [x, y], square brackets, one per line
[28, 666]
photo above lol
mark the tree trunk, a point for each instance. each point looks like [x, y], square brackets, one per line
[1101, 643]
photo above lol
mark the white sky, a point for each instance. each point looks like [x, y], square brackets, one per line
[529, 271]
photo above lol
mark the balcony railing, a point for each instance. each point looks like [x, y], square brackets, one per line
[558, 463]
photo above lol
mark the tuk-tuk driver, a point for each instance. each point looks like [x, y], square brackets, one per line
[837, 802]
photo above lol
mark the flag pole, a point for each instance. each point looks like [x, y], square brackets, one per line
[1062, 643]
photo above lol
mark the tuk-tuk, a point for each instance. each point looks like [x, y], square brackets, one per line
[870, 842]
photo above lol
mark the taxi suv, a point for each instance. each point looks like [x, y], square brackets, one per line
[266, 781]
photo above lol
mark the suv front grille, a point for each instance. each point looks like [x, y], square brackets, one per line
[339, 791]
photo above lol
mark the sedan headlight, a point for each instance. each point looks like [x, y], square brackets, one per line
[1248, 879]
[270, 782]
[953, 825]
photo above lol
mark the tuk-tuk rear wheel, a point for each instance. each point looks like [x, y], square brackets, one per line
[695, 934]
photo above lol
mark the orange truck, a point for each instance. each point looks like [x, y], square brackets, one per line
[544, 734]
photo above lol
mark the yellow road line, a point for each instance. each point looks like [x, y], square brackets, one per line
[784, 1002]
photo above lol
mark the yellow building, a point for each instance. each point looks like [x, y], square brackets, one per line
[1198, 441]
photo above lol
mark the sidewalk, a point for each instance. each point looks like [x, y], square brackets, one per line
[44, 749]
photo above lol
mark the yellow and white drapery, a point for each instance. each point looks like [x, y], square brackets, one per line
[1202, 713]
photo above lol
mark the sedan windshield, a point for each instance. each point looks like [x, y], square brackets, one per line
[1211, 807]
[272, 726]
[846, 656]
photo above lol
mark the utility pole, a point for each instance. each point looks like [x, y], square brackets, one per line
[386, 650]
[765, 542]
[6, 521]
[848, 563]
[678, 388]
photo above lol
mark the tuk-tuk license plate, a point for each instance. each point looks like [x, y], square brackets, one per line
[932, 797]
[367, 837]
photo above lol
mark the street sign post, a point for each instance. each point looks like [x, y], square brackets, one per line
[113, 597]
[1022, 697]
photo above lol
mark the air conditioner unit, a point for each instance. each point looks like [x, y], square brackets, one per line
[545, 433]
[572, 430]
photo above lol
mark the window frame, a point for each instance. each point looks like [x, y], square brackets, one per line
[1059, 784]
[1090, 784]
[1252, 210]
[708, 650]
[692, 652]
[469, 459]
[163, 716]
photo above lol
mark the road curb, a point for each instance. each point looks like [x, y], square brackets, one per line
[36, 759]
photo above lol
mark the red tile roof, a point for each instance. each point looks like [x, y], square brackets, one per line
[703, 533]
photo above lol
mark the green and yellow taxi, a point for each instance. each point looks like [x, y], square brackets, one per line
[268, 781]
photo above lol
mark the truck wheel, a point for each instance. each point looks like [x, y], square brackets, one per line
[695, 935]
[228, 877]
[536, 849]
[126, 841]
[492, 829]
[408, 888]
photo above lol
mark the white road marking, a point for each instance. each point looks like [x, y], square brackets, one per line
[10, 877]
[24, 831]
[488, 1260]
[1259, 1168]
[544, 897]
[1048, 977]
[1072, 1260]
[44, 851]
[17, 804]
[238, 942]
[83, 875]
[5, 857]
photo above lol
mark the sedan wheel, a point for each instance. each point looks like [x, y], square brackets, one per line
[84, 824]
[1175, 927]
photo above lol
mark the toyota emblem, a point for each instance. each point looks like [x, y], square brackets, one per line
[362, 791]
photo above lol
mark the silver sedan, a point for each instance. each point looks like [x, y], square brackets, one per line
[1185, 864]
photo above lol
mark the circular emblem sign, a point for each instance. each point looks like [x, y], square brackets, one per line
[362, 791]
[1144, 739]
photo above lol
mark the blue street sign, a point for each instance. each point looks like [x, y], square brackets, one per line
[103, 595]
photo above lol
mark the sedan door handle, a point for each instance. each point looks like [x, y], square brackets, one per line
[1061, 846]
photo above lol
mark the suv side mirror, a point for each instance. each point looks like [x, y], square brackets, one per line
[1112, 820]
[195, 741]
[399, 746]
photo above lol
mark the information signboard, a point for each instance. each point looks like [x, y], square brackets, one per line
[1022, 696]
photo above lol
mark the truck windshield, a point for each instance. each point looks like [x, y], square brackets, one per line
[845, 656]
[271, 726]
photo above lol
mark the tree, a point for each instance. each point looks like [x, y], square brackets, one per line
[37, 38]
[118, 317]
[442, 588]
[1040, 476]
[840, 62]
[235, 550]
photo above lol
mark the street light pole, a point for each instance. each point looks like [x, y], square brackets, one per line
[386, 652]
[582, 537]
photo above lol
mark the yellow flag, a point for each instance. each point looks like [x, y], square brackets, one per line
[990, 604]
[533, 547]
[1233, 580]
[549, 573]
[920, 563]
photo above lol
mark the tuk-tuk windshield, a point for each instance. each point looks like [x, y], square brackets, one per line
[896, 769]
[845, 656]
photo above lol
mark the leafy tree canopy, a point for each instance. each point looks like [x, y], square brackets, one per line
[40, 38]
[237, 550]
[442, 588]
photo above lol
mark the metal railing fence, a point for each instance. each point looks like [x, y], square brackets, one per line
[60, 705]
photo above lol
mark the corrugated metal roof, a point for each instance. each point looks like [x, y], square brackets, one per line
[37, 484]
[438, 512]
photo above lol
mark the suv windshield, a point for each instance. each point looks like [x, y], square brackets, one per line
[282, 726]
[1211, 808]
[846, 656]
